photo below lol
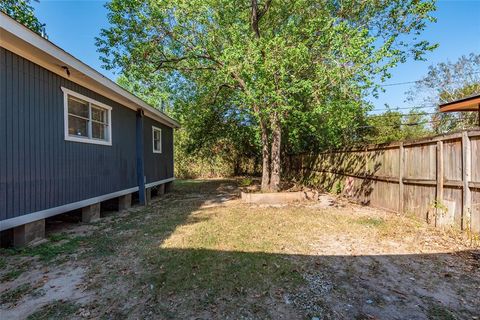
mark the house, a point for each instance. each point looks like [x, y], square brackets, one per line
[70, 138]
[468, 104]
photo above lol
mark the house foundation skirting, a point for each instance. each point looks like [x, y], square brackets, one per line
[34, 216]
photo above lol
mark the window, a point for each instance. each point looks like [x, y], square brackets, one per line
[86, 120]
[157, 140]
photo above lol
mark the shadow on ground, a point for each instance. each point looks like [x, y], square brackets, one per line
[203, 283]
[140, 277]
[221, 284]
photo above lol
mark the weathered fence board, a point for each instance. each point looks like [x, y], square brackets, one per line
[476, 211]
[475, 143]
[475, 180]
[437, 179]
[452, 150]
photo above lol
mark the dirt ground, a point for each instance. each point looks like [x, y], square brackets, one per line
[201, 253]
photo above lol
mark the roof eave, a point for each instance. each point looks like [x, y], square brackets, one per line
[471, 103]
[30, 38]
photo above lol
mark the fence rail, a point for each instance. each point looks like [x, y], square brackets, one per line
[438, 178]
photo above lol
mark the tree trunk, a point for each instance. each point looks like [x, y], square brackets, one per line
[265, 157]
[276, 148]
[236, 166]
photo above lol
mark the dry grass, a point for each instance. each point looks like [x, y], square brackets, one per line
[199, 252]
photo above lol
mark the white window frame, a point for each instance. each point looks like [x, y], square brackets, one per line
[68, 137]
[153, 139]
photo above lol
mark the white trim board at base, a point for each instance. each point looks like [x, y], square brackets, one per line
[156, 183]
[27, 218]
[34, 216]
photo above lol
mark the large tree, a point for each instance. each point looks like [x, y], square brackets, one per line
[23, 12]
[281, 63]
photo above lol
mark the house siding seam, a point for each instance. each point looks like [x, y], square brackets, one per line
[38, 168]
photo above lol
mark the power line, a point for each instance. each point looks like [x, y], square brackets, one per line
[396, 125]
[454, 121]
[417, 81]
[402, 115]
[404, 108]
[398, 83]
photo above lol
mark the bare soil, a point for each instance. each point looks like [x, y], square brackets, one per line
[201, 253]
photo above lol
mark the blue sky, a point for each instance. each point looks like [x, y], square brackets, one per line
[74, 24]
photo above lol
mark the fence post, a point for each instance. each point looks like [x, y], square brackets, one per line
[467, 174]
[440, 178]
[400, 178]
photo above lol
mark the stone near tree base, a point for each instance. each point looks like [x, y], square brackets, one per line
[28, 233]
[278, 197]
[91, 213]
[125, 202]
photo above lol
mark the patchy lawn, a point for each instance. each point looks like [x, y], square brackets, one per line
[201, 253]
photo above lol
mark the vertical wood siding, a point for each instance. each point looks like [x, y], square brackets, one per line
[157, 166]
[3, 136]
[38, 168]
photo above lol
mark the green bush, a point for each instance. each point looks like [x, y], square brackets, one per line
[245, 182]
[188, 166]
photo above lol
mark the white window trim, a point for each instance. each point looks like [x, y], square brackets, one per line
[68, 137]
[153, 139]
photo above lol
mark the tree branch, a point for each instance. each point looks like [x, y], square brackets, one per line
[163, 63]
[257, 15]
[218, 91]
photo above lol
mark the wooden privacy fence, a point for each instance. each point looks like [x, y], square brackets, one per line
[437, 179]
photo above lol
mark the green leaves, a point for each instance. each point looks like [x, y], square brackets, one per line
[445, 82]
[23, 12]
[392, 125]
[225, 65]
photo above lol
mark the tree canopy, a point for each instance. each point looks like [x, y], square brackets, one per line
[393, 125]
[23, 12]
[297, 71]
[446, 82]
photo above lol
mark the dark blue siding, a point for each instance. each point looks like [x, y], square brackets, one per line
[38, 168]
[158, 166]
[3, 136]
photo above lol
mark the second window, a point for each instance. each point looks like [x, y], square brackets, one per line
[157, 140]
